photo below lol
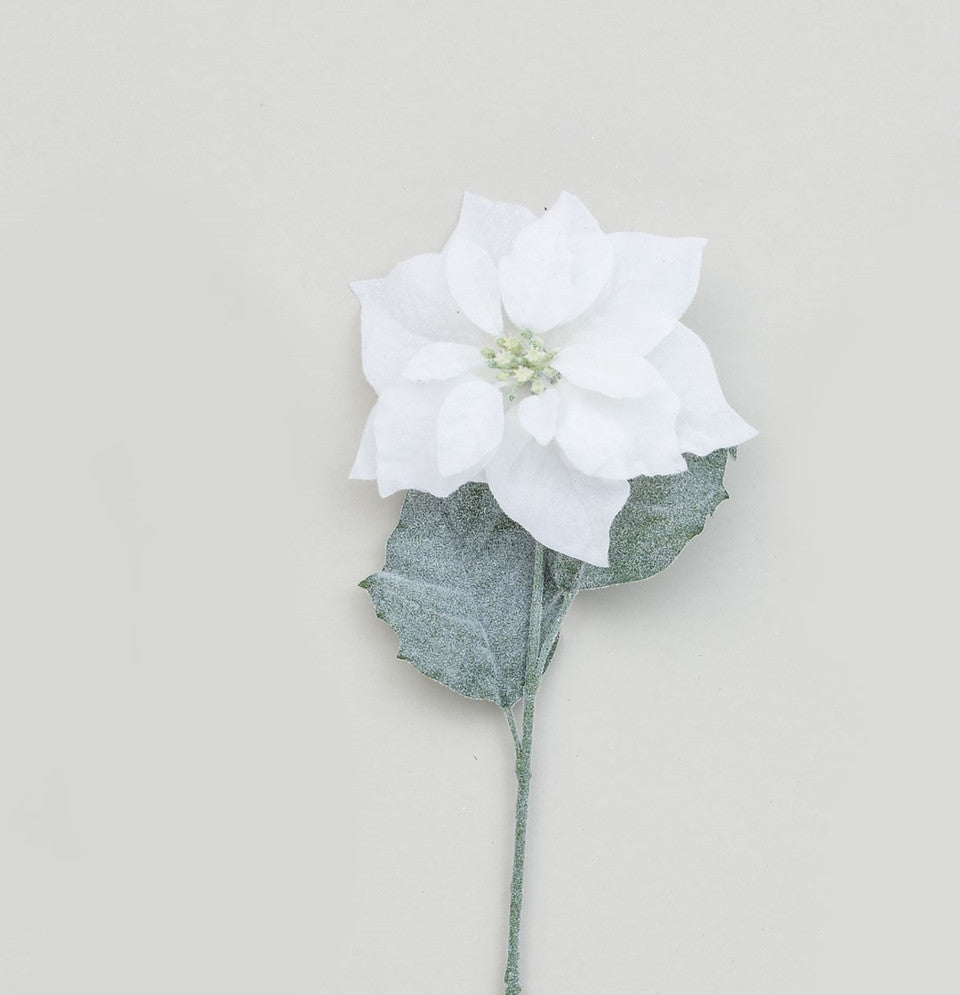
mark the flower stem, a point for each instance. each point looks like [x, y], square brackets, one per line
[532, 674]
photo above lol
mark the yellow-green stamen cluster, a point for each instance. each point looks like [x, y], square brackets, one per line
[522, 360]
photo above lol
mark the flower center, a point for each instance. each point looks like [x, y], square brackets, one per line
[522, 360]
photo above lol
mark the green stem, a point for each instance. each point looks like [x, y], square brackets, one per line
[532, 673]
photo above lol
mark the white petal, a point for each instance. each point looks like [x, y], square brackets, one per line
[559, 506]
[405, 430]
[620, 438]
[538, 414]
[417, 295]
[654, 280]
[557, 267]
[365, 465]
[404, 312]
[485, 231]
[706, 422]
[442, 361]
[386, 346]
[611, 373]
[491, 224]
[475, 285]
[469, 426]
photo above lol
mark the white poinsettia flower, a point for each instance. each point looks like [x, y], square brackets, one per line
[544, 358]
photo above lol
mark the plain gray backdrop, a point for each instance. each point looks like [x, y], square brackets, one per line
[214, 775]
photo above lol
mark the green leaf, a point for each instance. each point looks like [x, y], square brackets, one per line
[456, 587]
[660, 516]
[457, 581]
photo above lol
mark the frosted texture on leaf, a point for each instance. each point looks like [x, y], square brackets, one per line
[456, 588]
[660, 516]
[457, 581]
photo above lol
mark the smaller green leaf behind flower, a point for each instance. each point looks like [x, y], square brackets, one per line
[661, 515]
[457, 582]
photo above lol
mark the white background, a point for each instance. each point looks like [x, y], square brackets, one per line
[214, 777]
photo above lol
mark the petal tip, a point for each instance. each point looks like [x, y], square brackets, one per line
[602, 561]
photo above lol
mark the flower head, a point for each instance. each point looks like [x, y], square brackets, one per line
[544, 358]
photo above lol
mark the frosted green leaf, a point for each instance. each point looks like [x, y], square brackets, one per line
[457, 581]
[661, 515]
[456, 587]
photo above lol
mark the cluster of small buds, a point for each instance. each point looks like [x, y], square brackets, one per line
[522, 360]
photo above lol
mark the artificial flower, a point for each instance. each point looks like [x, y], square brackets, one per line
[544, 358]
